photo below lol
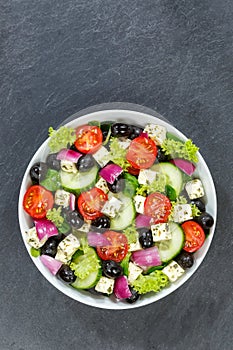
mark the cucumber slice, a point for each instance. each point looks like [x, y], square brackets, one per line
[173, 174]
[126, 214]
[78, 182]
[169, 249]
[88, 282]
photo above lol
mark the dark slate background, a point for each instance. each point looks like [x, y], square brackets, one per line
[58, 57]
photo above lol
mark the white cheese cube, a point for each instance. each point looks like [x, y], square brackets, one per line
[62, 198]
[105, 285]
[85, 227]
[101, 156]
[102, 185]
[173, 271]
[182, 212]
[139, 202]
[111, 207]
[66, 248]
[68, 167]
[195, 189]
[161, 232]
[33, 240]
[146, 176]
[124, 143]
[156, 133]
[134, 272]
[133, 247]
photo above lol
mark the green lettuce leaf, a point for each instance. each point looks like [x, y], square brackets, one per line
[178, 149]
[153, 282]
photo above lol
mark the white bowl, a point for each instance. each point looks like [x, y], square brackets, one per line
[131, 117]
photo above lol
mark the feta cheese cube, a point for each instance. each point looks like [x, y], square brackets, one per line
[33, 240]
[105, 285]
[62, 198]
[156, 133]
[66, 248]
[139, 202]
[124, 143]
[111, 207]
[134, 272]
[173, 271]
[102, 184]
[182, 212]
[101, 156]
[85, 227]
[68, 167]
[161, 232]
[195, 189]
[133, 247]
[146, 176]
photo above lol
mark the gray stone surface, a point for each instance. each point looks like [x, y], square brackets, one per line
[58, 57]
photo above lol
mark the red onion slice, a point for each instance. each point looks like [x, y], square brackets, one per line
[45, 227]
[110, 172]
[142, 221]
[52, 264]
[69, 154]
[184, 165]
[121, 288]
[72, 201]
[147, 257]
[97, 239]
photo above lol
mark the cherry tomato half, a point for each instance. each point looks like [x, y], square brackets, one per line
[158, 206]
[141, 153]
[91, 202]
[194, 236]
[88, 138]
[37, 200]
[117, 248]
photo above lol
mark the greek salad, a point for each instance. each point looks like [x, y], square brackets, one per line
[116, 208]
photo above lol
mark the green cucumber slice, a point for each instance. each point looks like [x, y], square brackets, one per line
[169, 249]
[126, 214]
[88, 282]
[173, 175]
[78, 182]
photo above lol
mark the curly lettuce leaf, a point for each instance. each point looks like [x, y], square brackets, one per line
[153, 282]
[55, 216]
[85, 264]
[178, 149]
[131, 233]
[157, 185]
[61, 138]
[117, 154]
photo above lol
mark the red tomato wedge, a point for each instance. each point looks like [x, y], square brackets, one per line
[141, 153]
[117, 248]
[91, 202]
[194, 236]
[37, 200]
[88, 138]
[157, 206]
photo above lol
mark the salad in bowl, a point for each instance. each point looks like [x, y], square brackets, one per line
[117, 209]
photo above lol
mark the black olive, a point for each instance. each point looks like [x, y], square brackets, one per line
[161, 156]
[205, 220]
[73, 148]
[185, 260]
[38, 172]
[50, 247]
[101, 223]
[105, 134]
[66, 274]
[85, 162]
[53, 162]
[136, 131]
[145, 237]
[121, 130]
[112, 269]
[199, 204]
[74, 219]
[118, 185]
[134, 297]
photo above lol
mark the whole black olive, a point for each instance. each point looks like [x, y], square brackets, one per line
[134, 297]
[121, 130]
[185, 260]
[38, 172]
[136, 131]
[50, 247]
[161, 156]
[73, 148]
[199, 204]
[101, 223]
[66, 274]
[85, 162]
[112, 269]
[205, 220]
[118, 185]
[53, 162]
[74, 219]
[145, 237]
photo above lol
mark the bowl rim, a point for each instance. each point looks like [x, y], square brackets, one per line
[81, 296]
